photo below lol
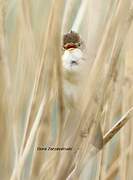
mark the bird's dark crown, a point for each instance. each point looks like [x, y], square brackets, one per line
[71, 40]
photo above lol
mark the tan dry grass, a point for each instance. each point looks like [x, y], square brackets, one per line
[31, 85]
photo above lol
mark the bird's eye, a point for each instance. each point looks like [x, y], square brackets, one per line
[79, 44]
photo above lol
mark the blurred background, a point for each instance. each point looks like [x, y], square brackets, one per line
[32, 112]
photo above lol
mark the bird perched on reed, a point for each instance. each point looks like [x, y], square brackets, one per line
[74, 63]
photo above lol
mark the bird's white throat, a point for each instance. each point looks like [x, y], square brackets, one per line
[73, 60]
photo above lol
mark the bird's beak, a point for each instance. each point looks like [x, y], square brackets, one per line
[70, 46]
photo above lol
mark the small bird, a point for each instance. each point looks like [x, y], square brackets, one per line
[74, 71]
[73, 56]
[73, 61]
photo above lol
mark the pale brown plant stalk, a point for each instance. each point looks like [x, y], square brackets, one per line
[5, 97]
